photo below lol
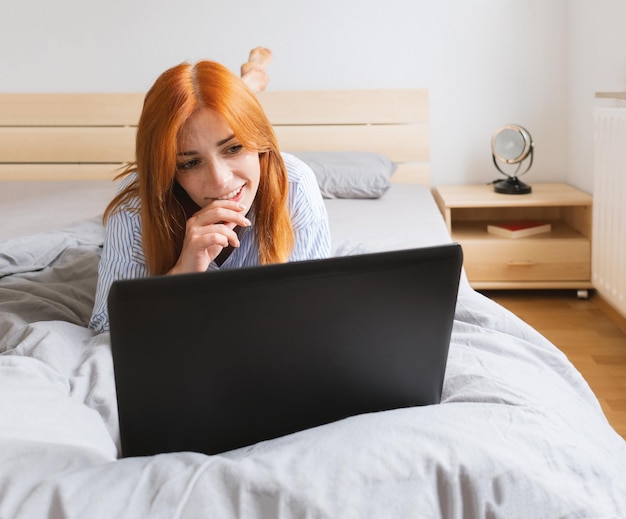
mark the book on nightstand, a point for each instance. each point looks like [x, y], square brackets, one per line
[519, 228]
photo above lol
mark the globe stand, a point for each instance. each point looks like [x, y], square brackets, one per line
[512, 186]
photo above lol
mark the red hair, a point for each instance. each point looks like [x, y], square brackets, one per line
[175, 96]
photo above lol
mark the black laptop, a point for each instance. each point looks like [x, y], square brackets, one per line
[214, 361]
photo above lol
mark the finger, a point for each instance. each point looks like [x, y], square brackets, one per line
[219, 215]
[223, 204]
[229, 233]
[217, 234]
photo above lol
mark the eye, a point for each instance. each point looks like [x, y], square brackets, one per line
[235, 148]
[188, 165]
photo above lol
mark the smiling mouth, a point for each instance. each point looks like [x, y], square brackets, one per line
[233, 195]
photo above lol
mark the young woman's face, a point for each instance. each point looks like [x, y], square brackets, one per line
[212, 164]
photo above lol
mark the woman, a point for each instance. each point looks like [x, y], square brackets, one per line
[209, 189]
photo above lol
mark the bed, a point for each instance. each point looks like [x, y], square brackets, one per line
[518, 433]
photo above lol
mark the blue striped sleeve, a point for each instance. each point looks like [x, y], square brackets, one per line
[122, 258]
[308, 212]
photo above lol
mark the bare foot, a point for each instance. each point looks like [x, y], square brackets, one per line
[253, 71]
[260, 56]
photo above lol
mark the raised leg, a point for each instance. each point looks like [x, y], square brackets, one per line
[253, 72]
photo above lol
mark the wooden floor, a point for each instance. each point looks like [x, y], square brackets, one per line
[592, 338]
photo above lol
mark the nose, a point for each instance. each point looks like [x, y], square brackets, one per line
[219, 176]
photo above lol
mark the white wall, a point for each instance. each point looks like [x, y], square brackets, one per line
[485, 62]
[597, 63]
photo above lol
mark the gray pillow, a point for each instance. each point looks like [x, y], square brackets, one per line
[349, 174]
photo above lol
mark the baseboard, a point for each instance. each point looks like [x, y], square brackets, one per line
[616, 317]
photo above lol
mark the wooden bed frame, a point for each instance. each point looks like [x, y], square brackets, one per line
[45, 137]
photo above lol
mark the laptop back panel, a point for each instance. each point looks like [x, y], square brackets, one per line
[212, 362]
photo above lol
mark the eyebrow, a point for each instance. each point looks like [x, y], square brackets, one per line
[218, 143]
[224, 141]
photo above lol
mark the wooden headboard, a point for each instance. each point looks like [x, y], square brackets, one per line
[47, 137]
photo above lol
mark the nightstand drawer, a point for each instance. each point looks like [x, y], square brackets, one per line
[527, 260]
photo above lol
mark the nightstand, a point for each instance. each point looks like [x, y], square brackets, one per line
[557, 259]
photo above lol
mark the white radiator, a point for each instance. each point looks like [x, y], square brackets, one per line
[609, 206]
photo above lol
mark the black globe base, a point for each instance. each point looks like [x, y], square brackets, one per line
[512, 186]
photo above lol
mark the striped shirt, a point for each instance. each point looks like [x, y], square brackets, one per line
[123, 257]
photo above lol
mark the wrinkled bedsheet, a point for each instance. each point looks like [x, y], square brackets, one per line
[518, 433]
